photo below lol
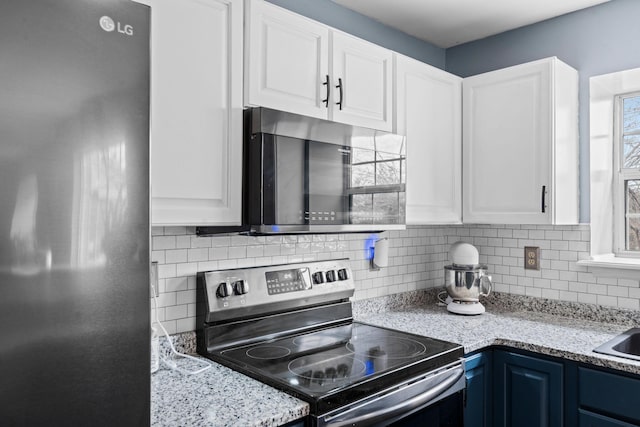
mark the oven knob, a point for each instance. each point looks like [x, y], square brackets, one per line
[317, 278]
[342, 274]
[331, 276]
[240, 287]
[224, 290]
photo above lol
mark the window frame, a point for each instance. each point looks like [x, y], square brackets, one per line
[621, 175]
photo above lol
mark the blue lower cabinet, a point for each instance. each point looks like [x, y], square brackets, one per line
[590, 419]
[522, 389]
[613, 396]
[478, 402]
[528, 391]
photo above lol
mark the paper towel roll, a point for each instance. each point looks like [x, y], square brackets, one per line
[381, 253]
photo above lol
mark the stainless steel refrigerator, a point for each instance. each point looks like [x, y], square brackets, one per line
[74, 213]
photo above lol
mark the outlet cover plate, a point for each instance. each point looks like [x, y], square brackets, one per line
[153, 276]
[532, 258]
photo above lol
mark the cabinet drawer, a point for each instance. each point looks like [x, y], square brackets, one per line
[589, 419]
[609, 393]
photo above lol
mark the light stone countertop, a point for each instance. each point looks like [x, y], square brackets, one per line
[539, 332]
[222, 397]
[218, 397]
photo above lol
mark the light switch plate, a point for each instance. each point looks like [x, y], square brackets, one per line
[532, 258]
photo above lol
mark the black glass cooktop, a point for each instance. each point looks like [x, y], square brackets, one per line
[331, 367]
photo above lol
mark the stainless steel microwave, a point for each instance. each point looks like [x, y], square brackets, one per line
[307, 175]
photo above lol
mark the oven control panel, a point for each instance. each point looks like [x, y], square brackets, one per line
[290, 280]
[275, 287]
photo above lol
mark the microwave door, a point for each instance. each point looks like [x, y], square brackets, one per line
[290, 204]
[327, 168]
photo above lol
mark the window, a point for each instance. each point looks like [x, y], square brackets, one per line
[614, 175]
[627, 177]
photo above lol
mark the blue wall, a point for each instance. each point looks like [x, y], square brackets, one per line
[344, 19]
[598, 40]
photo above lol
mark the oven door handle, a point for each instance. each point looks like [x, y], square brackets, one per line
[404, 407]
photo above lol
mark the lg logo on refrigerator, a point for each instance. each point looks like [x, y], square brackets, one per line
[110, 25]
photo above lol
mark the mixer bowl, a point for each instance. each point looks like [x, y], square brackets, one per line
[467, 283]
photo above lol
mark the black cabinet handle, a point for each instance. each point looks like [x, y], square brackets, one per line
[339, 103]
[326, 100]
[544, 192]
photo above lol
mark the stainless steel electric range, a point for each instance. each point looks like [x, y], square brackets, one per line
[291, 326]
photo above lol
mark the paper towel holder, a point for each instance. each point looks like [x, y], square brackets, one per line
[380, 257]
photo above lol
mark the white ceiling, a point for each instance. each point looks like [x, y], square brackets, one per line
[447, 23]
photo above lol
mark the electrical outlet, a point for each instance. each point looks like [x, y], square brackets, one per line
[532, 258]
[154, 279]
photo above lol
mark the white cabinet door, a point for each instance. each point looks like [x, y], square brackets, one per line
[361, 75]
[429, 113]
[196, 112]
[291, 65]
[508, 133]
[286, 61]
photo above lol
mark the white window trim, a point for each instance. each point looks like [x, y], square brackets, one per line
[603, 90]
[620, 175]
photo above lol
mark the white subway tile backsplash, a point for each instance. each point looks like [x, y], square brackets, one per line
[174, 231]
[176, 284]
[218, 253]
[186, 297]
[238, 252]
[221, 241]
[176, 312]
[200, 242]
[163, 242]
[628, 303]
[174, 256]
[587, 298]
[183, 242]
[199, 254]
[186, 269]
[607, 301]
[416, 260]
[207, 265]
[158, 256]
[186, 325]
[166, 270]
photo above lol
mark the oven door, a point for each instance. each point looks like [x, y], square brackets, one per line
[406, 400]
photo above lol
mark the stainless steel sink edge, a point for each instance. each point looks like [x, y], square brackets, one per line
[608, 347]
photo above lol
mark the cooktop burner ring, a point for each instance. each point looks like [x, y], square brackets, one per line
[393, 347]
[325, 368]
[268, 352]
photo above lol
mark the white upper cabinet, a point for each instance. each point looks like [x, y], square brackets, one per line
[196, 112]
[520, 145]
[287, 60]
[298, 65]
[428, 105]
[362, 75]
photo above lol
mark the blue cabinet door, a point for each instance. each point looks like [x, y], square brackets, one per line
[589, 419]
[478, 404]
[528, 391]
